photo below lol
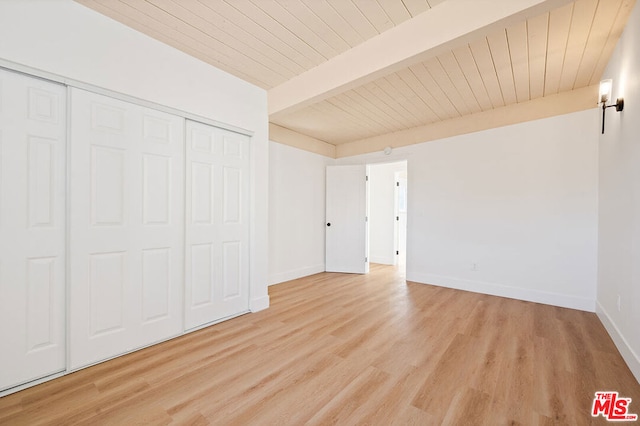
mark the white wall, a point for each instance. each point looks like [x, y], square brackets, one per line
[382, 184]
[619, 224]
[518, 201]
[296, 212]
[72, 41]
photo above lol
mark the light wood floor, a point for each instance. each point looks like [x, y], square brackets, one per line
[353, 349]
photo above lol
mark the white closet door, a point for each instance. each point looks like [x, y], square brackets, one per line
[217, 238]
[126, 227]
[32, 228]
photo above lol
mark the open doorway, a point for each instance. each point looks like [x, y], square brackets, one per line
[387, 202]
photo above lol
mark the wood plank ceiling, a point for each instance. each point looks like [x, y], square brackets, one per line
[556, 50]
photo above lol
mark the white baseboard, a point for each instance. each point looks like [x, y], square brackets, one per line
[529, 295]
[295, 274]
[628, 354]
[259, 304]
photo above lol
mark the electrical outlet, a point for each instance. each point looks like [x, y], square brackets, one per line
[619, 303]
[474, 266]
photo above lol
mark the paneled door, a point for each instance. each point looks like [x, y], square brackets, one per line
[217, 237]
[346, 238]
[32, 228]
[126, 227]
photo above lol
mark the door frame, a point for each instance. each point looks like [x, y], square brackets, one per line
[368, 163]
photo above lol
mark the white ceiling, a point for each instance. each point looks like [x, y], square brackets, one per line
[352, 71]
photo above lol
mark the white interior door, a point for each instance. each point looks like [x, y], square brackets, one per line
[32, 228]
[126, 227]
[217, 236]
[346, 227]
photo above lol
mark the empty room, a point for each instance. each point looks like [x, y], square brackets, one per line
[259, 212]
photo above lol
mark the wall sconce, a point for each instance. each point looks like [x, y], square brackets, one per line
[605, 95]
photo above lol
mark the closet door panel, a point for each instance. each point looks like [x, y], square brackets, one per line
[127, 227]
[100, 253]
[32, 228]
[217, 232]
[234, 228]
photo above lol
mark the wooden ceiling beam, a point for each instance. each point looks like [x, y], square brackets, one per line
[544, 107]
[298, 140]
[442, 28]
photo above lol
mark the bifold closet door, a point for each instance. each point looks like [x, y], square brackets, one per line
[32, 228]
[126, 227]
[217, 237]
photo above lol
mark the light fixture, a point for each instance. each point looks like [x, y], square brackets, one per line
[387, 150]
[606, 87]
